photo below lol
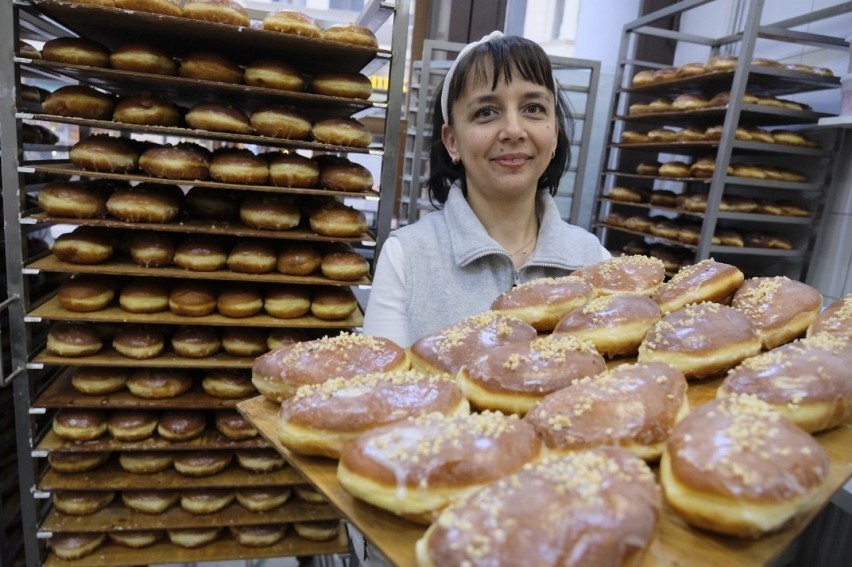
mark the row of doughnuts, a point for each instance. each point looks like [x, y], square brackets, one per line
[697, 202]
[714, 133]
[673, 258]
[704, 168]
[688, 101]
[717, 63]
[153, 383]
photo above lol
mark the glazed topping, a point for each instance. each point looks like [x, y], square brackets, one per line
[699, 327]
[609, 311]
[696, 282]
[544, 290]
[772, 302]
[624, 274]
[836, 319]
[80, 418]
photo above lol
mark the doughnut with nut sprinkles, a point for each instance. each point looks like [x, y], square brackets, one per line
[543, 302]
[836, 319]
[634, 274]
[707, 280]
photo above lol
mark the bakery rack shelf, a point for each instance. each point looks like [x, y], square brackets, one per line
[207, 441]
[728, 179]
[753, 217]
[109, 357]
[224, 548]
[701, 148]
[755, 114]
[51, 310]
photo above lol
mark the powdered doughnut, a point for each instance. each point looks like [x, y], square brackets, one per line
[640, 275]
[543, 302]
[707, 280]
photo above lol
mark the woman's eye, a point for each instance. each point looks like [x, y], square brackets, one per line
[484, 113]
[536, 109]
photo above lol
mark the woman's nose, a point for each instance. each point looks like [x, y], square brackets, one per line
[512, 126]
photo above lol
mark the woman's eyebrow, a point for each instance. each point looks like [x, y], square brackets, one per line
[491, 97]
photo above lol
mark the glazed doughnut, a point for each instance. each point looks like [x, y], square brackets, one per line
[701, 339]
[79, 101]
[674, 169]
[239, 301]
[147, 202]
[260, 460]
[76, 51]
[77, 462]
[140, 57]
[73, 339]
[280, 122]
[138, 342]
[287, 302]
[626, 194]
[269, 211]
[345, 175]
[278, 338]
[76, 424]
[238, 165]
[205, 501]
[610, 495]
[145, 462]
[136, 539]
[262, 535]
[234, 426]
[691, 70]
[642, 78]
[648, 168]
[320, 419]
[244, 341]
[331, 303]
[132, 425]
[202, 463]
[217, 11]
[143, 296]
[147, 110]
[277, 374]
[252, 257]
[735, 466]
[447, 349]
[200, 254]
[217, 117]
[835, 320]
[196, 342]
[165, 7]
[210, 66]
[210, 203]
[273, 74]
[193, 537]
[804, 380]
[228, 384]
[512, 378]
[72, 546]
[602, 410]
[543, 302]
[707, 280]
[344, 264]
[780, 309]
[193, 299]
[634, 137]
[158, 384]
[293, 170]
[97, 381]
[150, 501]
[181, 425]
[337, 219]
[318, 530]
[184, 161]
[104, 153]
[346, 85]
[411, 467]
[152, 250]
[640, 275]
[614, 324]
[352, 34]
[85, 293]
[342, 132]
[689, 102]
[81, 502]
[293, 22]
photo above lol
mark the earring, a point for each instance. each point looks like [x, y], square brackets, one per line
[553, 154]
[456, 161]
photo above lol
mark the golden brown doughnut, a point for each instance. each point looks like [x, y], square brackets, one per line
[278, 338]
[337, 219]
[138, 342]
[640, 275]
[252, 256]
[238, 165]
[627, 194]
[141, 57]
[690, 135]
[79, 101]
[76, 424]
[244, 341]
[205, 500]
[702, 168]
[346, 85]
[701, 340]
[149, 501]
[147, 202]
[333, 303]
[639, 223]
[691, 70]
[662, 135]
[634, 137]
[638, 109]
[317, 530]
[144, 296]
[512, 378]
[239, 301]
[76, 51]
[136, 539]
[200, 254]
[277, 374]
[721, 63]
[217, 11]
[228, 384]
[196, 342]
[674, 169]
[145, 462]
[193, 299]
[234, 426]
[293, 22]
[642, 78]
[280, 122]
[689, 233]
[217, 117]
[193, 537]
[73, 339]
[689, 102]
[836, 319]
[664, 228]
[543, 302]
[132, 425]
[342, 132]
[181, 425]
[210, 66]
[158, 384]
[184, 161]
[661, 104]
[152, 250]
[98, 381]
[105, 153]
[748, 170]
[765, 62]
[728, 237]
[351, 33]
[260, 460]
[648, 168]
[780, 309]
[274, 74]
[310, 494]
[264, 498]
[259, 535]
[269, 211]
[210, 203]
[77, 462]
[344, 264]
[410, 467]
[292, 170]
[344, 175]
[147, 110]
[708, 280]
[72, 545]
[663, 198]
[165, 7]
[85, 293]
[287, 302]
[735, 466]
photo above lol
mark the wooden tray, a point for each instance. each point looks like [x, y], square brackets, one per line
[109, 357]
[675, 545]
[207, 441]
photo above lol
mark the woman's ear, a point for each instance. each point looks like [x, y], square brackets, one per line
[449, 141]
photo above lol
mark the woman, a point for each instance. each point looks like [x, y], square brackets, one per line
[501, 142]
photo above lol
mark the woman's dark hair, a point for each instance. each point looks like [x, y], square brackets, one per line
[507, 55]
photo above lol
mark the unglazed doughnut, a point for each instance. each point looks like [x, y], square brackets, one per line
[447, 349]
[287, 302]
[76, 424]
[293, 170]
[158, 384]
[331, 303]
[293, 22]
[701, 340]
[217, 11]
[105, 153]
[145, 462]
[244, 341]
[152, 250]
[640, 275]
[147, 202]
[141, 57]
[344, 265]
[346, 85]
[99, 381]
[611, 497]
[150, 501]
[143, 296]
[76, 51]
[194, 299]
[707, 280]
[228, 384]
[269, 211]
[634, 406]
[342, 174]
[184, 161]
[614, 324]
[298, 259]
[217, 117]
[320, 419]
[202, 463]
[193, 537]
[836, 319]
[780, 309]
[512, 378]
[339, 220]
[73, 339]
[200, 254]
[234, 426]
[82, 247]
[239, 301]
[85, 293]
[543, 302]
[351, 33]
[277, 374]
[147, 110]
[262, 535]
[132, 425]
[238, 165]
[210, 66]
[72, 545]
[136, 539]
[273, 74]
[342, 132]
[77, 462]
[165, 7]
[735, 466]
[260, 460]
[181, 425]
[416, 467]
[139, 342]
[280, 122]
[79, 101]
[196, 342]
[252, 257]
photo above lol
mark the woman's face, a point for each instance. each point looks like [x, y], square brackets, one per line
[504, 138]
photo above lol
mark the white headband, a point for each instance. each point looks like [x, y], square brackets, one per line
[445, 90]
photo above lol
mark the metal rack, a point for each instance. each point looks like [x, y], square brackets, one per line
[621, 158]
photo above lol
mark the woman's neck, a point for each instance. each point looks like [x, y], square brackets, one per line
[513, 224]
